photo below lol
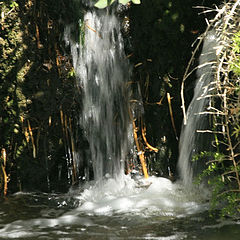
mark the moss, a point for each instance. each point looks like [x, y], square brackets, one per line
[33, 90]
[235, 62]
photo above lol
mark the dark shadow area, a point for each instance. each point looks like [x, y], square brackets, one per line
[162, 36]
[39, 99]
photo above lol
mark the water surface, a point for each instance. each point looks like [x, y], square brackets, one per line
[127, 209]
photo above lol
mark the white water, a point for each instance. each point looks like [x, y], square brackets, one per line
[153, 213]
[145, 197]
[103, 72]
[192, 142]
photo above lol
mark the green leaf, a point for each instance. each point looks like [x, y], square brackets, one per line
[123, 1]
[136, 1]
[103, 3]
[13, 4]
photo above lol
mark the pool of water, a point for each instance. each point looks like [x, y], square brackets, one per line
[114, 209]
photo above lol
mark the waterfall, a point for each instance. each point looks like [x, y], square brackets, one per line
[193, 142]
[102, 71]
[103, 74]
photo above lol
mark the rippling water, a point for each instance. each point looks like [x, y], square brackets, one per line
[126, 209]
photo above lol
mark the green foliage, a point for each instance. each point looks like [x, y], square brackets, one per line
[222, 171]
[212, 165]
[13, 4]
[236, 131]
[217, 156]
[225, 195]
[9, 4]
[71, 73]
[105, 3]
[223, 199]
[235, 64]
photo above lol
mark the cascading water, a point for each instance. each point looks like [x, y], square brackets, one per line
[192, 141]
[102, 70]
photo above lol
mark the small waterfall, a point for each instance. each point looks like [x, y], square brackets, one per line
[193, 142]
[103, 72]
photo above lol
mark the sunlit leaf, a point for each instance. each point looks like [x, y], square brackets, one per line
[124, 1]
[103, 3]
[136, 1]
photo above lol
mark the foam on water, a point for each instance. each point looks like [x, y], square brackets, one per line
[153, 196]
[122, 208]
[24, 228]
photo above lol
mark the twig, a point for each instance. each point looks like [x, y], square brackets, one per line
[145, 140]
[171, 114]
[3, 165]
[209, 131]
[92, 29]
[211, 113]
[32, 139]
[186, 73]
[140, 151]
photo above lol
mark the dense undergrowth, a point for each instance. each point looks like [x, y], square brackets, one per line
[223, 163]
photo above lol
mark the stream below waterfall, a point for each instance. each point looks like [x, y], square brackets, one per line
[127, 209]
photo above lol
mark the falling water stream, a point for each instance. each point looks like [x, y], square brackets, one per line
[192, 141]
[103, 72]
[113, 206]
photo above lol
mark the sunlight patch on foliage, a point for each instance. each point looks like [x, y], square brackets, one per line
[105, 3]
